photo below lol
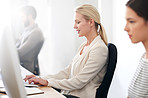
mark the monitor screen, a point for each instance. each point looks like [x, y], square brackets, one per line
[10, 68]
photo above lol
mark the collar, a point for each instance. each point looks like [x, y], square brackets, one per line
[31, 27]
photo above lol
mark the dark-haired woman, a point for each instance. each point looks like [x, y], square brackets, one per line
[137, 28]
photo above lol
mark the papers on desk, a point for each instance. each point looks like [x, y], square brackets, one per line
[33, 91]
[29, 91]
[1, 84]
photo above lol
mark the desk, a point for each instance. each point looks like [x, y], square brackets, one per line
[48, 93]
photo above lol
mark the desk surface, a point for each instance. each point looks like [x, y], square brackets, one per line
[48, 92]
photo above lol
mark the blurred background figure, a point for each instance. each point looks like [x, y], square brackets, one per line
[30, 41]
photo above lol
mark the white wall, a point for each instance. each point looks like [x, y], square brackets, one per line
[61, 35]
[105, 8]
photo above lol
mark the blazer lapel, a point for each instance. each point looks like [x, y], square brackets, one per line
[82, 59]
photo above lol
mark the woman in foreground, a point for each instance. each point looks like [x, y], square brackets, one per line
[85, 73]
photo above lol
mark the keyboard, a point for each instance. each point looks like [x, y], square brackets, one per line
[26, 84]
[33, 91]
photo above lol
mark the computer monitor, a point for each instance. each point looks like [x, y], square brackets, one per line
[10, 68]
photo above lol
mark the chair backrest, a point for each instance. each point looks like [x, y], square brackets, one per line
[102, 91]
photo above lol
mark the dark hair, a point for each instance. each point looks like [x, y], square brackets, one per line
[29, 10]
[140, 7]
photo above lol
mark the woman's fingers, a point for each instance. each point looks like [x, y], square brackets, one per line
[32, 79]
[39, 81]
[28, 77]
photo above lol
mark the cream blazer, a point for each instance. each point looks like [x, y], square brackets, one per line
[85, 73]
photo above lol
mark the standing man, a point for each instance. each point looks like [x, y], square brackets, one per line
[31, 40]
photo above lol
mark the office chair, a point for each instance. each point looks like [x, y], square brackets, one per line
[102, 91]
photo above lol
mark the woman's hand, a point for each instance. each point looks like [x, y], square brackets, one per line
[127, 96]
[36, 80]
[29, 77]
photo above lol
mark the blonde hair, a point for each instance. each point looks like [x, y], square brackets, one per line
[89, 11]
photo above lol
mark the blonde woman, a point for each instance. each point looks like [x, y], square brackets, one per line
[85, 73]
